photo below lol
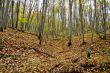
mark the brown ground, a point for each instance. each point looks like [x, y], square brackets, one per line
[21, 53]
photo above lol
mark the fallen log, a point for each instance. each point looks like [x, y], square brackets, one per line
[41, 52]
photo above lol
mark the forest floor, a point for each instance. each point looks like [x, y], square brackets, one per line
[20, 52]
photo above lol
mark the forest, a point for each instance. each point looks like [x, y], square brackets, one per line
[54, 36]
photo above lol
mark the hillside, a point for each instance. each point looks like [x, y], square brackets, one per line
[21, 53]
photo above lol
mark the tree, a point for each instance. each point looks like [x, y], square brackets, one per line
[23, 16]
[12, 14]
[1, 9]
[70, 22]
[41, 27]
[17, 11]
[81, 20]
[104, 18]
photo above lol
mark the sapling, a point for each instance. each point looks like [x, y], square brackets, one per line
[88, 53]
[1, 41]
[1, 29]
